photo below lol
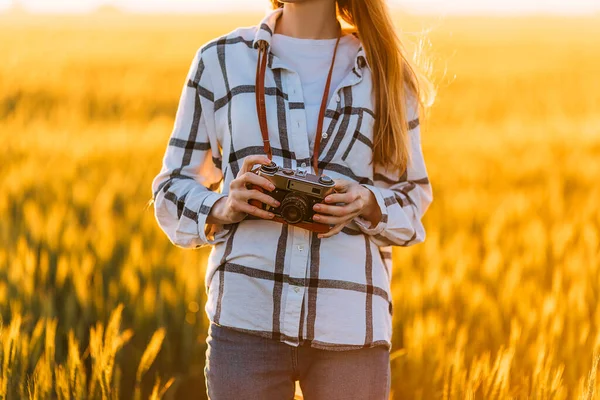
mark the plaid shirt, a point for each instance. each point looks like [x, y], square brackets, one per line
[268, 278]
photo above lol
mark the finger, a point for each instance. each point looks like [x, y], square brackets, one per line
[328, 219]
[335, 210]
[253, 210]
[249, 161]
[250, 178]
[260, 196]
[339, 198]
[333, 231]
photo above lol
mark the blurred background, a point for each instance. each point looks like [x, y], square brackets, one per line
[500, 301]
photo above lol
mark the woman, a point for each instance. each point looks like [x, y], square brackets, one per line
[286, 303]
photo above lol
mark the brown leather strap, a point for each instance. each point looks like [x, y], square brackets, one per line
[260, 98]
[322, 111]
[260, 101]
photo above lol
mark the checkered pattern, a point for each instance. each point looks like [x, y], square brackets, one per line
[267, 278]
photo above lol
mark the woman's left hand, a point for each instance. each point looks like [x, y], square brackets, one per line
[358, 201]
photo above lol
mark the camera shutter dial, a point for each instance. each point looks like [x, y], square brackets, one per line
[326, 180]
[270, 168]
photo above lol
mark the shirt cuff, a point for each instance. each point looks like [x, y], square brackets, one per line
[210, 233]
[365, 225]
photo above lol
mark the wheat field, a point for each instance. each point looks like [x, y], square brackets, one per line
[500, 302]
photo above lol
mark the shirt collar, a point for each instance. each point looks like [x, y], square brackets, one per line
[266, 27]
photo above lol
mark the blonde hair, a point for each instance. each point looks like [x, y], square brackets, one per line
[392, 75]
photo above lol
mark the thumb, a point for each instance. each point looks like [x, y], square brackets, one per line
[341, 185]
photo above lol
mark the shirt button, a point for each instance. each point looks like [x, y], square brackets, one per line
[300, 247]
[303, 165]
[298, 124]
[324, 135]
[296, 289]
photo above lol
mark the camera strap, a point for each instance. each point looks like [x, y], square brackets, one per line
[260, 101]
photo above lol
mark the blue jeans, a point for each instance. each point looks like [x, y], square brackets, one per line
[240, 365]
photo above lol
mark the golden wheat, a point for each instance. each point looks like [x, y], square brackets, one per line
[500, 302]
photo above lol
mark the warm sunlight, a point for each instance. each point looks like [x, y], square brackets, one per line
[418, 6]
[123, 235]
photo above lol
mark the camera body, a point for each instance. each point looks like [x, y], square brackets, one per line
[297, 192]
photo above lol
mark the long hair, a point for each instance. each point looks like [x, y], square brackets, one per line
[394, 79]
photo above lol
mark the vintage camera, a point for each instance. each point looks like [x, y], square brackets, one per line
[297, 192]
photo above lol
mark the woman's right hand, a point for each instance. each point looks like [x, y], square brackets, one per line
[235, 207]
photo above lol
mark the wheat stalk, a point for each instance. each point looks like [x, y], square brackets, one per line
[148, 358]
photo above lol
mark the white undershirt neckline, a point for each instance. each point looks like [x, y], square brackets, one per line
[311, 59]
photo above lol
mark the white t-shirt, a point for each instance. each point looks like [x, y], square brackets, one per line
[311, 59]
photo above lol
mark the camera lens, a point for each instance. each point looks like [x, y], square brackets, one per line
[294, 208]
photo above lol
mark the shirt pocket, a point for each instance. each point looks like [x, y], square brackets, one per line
[356, 149]
[237, 122]
[237, 119]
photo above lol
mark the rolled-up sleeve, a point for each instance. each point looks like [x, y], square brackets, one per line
[185, 189]
[402, 198]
